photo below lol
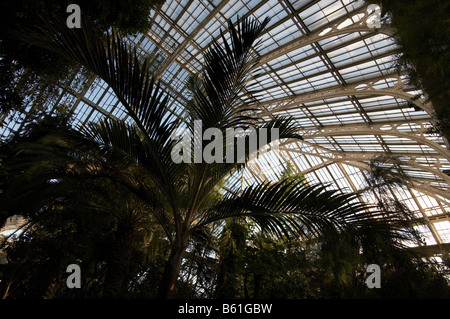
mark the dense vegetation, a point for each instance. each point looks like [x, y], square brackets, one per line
[423, 34]
[109, 197]
[30, 69]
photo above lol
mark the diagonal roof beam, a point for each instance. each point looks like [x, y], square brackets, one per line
[344, 157]
[331, 29]
[324, 72]
[416, 132]
[191, 37]
[366, 87]
[436, 193]
[358, 161]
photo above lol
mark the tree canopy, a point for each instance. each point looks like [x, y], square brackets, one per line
[109, 197]
[423, 33]
[30, 69]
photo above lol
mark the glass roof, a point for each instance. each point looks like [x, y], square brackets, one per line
[322, 64]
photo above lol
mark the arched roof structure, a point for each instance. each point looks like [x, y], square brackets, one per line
[322, 64]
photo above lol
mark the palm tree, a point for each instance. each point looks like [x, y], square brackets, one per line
[139, 155]
[71, 211]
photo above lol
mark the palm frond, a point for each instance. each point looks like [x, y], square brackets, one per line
[129, 76]
[292, 207]
[112, 59]
[229, 64]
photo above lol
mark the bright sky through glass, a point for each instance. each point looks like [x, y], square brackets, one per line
[321, 64]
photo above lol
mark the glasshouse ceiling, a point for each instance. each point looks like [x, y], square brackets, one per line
[321, 63]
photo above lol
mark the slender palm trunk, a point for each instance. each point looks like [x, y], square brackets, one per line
[118, 264]
[172, 269]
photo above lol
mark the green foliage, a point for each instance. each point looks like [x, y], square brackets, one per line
[288, 173]
[32, 71]
[232, 242]
[96, 222]
[136, 220]
[3, 175]
[72, 217]
[273, 270]
[333, 266]
[385, 170]
[423, 33]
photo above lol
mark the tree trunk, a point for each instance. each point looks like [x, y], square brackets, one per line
[257, 286]
[172, 269]
[119, 262]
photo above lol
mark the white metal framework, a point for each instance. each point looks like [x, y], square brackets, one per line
[322, 64]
